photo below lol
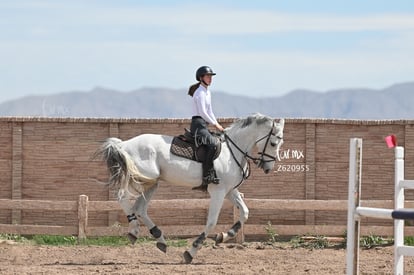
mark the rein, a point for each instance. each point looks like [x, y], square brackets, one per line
[257, 160]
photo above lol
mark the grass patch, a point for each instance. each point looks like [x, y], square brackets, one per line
[57, 240]
[317, 242]
[106, 241]
[409, 241]
[271, 233]
[54, 240]
[372, 241]
[13, 237]
[177, 243]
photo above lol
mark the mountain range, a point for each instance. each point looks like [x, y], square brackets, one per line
[393, 102]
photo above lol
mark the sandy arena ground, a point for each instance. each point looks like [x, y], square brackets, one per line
[250, 258]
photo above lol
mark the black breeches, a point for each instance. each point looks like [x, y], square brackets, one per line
[200, 131]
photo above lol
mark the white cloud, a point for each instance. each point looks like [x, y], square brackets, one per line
[236, 21]
[205, 19]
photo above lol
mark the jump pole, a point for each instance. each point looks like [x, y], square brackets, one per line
[398, 204]
[354, 191]
[355, 211]
[400, 214]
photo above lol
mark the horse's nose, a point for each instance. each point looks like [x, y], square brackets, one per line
[266, 171]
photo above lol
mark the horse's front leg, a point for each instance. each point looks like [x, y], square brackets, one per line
[237, 199]
[216, 202]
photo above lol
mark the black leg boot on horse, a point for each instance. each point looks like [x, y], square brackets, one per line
[209, 173]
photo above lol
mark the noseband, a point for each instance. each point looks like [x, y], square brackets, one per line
[260, 161]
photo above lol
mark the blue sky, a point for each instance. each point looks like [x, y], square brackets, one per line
[257, 48]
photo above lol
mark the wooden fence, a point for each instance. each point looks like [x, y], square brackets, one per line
[83, 207]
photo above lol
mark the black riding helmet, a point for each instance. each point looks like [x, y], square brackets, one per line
[203, 71]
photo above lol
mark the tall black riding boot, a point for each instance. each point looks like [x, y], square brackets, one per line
[209, 174]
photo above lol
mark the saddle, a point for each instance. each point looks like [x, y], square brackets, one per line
[189, 147]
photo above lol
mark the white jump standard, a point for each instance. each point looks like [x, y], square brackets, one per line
[355, 211]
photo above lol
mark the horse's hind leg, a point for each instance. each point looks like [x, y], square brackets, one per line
[133, 226]
[236, 198]
[141, 208]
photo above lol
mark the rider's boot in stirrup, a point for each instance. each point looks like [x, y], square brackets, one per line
[209, 177]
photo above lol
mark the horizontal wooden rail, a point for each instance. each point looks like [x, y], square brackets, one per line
[83, 206]
[277, 204]
[39, 205]
[27, 229]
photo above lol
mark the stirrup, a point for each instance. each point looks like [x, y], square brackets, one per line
[211, 178]
[214, 180]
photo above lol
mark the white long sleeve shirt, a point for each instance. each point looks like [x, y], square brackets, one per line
[202, 105]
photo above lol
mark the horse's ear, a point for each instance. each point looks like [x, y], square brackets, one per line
[281, 122]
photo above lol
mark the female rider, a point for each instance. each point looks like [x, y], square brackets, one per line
[203, 116]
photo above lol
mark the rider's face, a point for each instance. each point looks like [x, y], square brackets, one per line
[207, 78]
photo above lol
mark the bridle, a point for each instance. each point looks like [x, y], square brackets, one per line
[260, 161]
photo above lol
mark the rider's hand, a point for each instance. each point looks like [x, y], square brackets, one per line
[219, 127]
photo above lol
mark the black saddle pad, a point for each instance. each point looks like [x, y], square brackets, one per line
[185, 147]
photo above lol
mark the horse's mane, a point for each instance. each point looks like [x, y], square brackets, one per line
[241, 123]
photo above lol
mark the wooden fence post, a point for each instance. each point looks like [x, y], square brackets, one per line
[82, 216]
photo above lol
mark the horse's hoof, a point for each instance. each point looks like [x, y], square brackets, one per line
[132, 238]
[219, 238]
[162, 247]
[187, 257]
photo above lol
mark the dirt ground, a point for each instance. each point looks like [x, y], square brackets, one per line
[249, 258]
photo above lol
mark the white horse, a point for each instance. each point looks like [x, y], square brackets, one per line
[136, 165]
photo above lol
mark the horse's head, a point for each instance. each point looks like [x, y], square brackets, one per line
[260, 131]
[270, 138]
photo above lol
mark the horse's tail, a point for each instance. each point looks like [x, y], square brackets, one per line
[124, 174]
